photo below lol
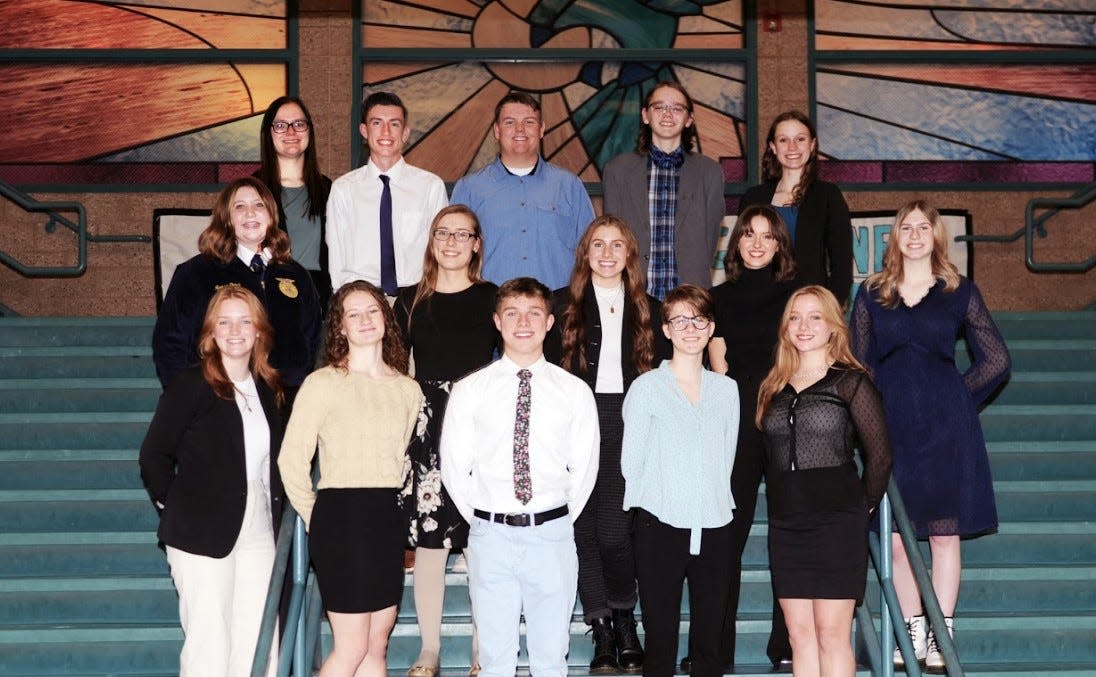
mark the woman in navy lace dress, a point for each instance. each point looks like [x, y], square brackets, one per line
[906, 320]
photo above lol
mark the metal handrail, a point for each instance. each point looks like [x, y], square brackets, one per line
[1036, 225]
[52, 211]
[297, 640]
[893, 511]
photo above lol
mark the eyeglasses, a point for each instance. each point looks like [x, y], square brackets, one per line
[443, 235]
[681, 322]
[675, 108]
[281, 126]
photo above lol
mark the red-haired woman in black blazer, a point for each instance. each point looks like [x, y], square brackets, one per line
[209, 464]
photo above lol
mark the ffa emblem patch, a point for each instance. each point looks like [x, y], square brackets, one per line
[287, 287]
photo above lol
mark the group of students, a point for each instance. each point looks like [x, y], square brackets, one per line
[618, 424]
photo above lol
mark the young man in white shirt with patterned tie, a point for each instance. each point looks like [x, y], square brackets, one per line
[520, 449]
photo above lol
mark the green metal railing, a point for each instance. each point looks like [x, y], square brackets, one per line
[880, 645]
[1036, 226]
[52, 210]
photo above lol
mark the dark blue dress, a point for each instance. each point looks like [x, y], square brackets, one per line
[940, 460]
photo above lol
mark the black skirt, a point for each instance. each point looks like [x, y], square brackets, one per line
[356, 541]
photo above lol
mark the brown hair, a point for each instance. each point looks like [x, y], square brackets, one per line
[429, 283]
[269, 173]
[888, 279]
[787, 357]
[770, 166]
[218, 240]
[688, 134]
[691, 295]
[213, 369]
[635, 298]
[336, 354]
[523, 98]
[523, 286]
[783, 260]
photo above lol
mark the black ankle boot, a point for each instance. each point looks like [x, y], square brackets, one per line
[605, 655]
[628, 647]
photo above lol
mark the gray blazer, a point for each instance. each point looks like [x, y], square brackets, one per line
[698, 216]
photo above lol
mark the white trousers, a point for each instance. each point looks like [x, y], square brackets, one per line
[221, 600]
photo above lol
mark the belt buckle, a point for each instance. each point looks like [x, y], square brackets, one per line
[517, 520]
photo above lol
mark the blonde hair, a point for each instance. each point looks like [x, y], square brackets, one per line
[787, 357]
[213, 369]
[887, 280]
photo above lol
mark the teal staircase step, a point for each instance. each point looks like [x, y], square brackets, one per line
[76, 331]
[64, 474]
[78, 395]
[68, 554]
[67, 362]
[47, 602]
[1046, 325]
[1046, 354]
[1039, 422]
[97, 430]
[1049, 387]
[74, 510]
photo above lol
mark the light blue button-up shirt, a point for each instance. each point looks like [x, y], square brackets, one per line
[677, 456]
[531, 224]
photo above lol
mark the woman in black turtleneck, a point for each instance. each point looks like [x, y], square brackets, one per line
[761, 275]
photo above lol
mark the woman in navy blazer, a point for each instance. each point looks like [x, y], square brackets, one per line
[209, 464]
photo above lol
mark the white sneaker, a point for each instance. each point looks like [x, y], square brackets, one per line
[934, 660]
[916, 627]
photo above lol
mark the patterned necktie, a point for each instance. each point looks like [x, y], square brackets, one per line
[388, 249]
[523, 484]
[257, 265]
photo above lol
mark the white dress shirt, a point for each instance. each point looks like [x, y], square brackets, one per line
[477, 440]
[354, 222]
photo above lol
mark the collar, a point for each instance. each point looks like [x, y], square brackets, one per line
[395, 171]
[663, 160]
[245, 254]
[531, 172]
[512, 368]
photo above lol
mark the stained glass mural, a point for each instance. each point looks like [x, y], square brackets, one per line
[138, 121]
[590, 107]
[964, 117]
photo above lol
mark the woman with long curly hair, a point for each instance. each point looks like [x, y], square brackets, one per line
[214, 438]
[906, 320]
[607, 333]
[360, 408]
[448, 328]
[816, 406]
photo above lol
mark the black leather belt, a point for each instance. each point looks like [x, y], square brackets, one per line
[522, 519]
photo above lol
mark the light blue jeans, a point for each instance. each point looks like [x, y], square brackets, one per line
[531, 570]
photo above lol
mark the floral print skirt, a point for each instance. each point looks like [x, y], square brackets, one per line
[434, 522]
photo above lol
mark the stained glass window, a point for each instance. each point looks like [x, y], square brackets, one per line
[1006, 93]
[127, 108]
[591, 93]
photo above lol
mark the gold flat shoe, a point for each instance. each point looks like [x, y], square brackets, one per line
[474, 670]
[422, 671]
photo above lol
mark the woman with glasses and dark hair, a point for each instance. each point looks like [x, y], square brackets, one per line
[607, 333]
[289, 168]
[670, 195]
[359, 410]
[680, 433]
[448, 328]
[242, 245]
[814, 211]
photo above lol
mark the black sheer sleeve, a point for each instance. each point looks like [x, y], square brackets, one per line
[866, 409]
[863, 344]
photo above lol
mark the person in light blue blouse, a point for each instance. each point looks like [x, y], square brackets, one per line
[680, 434]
